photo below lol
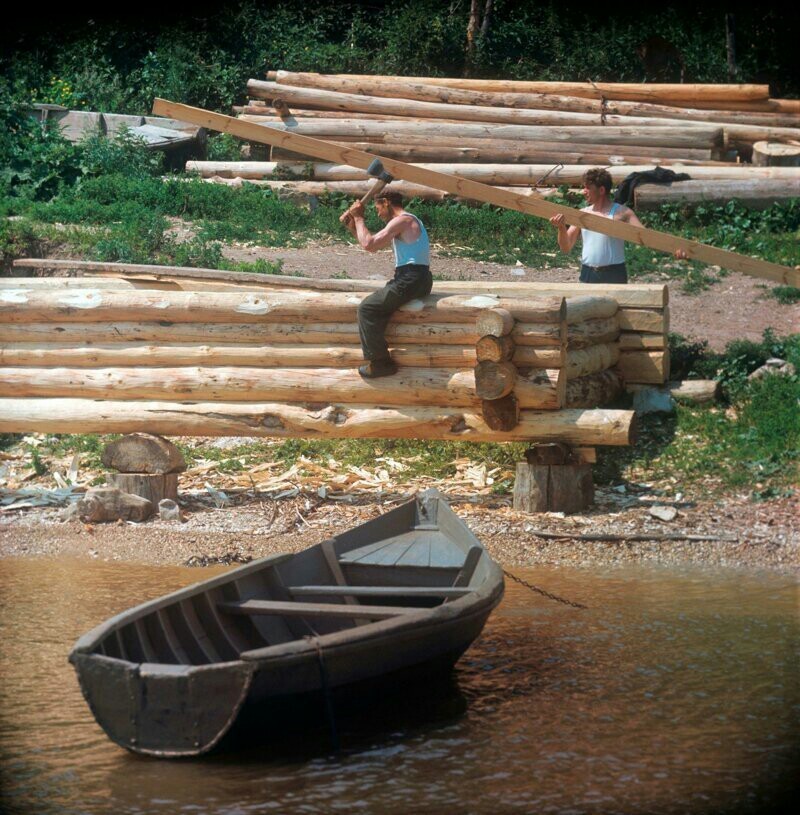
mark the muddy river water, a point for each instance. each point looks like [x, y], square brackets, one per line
[674, 692]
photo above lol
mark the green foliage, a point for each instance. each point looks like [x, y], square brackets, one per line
[224, 147]
[786, 295]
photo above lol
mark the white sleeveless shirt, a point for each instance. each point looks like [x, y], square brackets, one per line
[599, 249]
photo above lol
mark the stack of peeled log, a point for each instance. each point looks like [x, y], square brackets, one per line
[193, 357]
[530, 134]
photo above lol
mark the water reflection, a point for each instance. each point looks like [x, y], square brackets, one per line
[674, 692]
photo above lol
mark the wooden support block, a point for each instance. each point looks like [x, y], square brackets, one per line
[553, 488]
[143, 453]
[501, 414]
[152, 487]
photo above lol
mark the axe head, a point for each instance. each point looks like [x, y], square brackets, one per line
[376, 170]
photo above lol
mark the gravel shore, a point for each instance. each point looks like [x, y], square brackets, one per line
[751, 536]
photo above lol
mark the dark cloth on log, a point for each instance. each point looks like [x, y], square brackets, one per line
[409, 283]
[615, 273]
[658, 175]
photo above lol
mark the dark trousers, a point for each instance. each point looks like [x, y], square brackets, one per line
[616, 273]
[409, 283]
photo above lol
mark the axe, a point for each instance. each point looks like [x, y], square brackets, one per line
[377, 171]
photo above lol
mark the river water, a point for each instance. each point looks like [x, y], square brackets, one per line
[674, 692]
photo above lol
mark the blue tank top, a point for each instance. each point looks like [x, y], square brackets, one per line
[416, 252]
[601, 250]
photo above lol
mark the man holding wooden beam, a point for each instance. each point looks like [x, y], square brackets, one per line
[412, 276]
[602, 257]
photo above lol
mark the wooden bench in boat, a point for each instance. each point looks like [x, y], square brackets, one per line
[284, 609]
[378, 591]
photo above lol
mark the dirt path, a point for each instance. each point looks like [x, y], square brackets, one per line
[736, 307]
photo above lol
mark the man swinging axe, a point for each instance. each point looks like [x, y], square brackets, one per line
[412, 275]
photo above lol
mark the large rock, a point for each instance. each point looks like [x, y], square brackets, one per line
[143, 453]
[102, 504]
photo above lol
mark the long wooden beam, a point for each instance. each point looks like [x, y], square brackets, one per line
[331, 421]
[634, 295]
[482, 192]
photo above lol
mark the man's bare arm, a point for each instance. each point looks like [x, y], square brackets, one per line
[380, 240]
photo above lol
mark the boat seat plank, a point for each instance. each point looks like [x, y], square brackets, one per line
[379, 591]
[312, 609]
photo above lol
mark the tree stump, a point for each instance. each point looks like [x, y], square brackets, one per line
[548, 482]
[152, 487]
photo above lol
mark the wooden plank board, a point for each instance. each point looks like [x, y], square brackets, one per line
[481, 192]
[335, 610]
[379, 591]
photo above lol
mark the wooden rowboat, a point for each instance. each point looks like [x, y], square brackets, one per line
[409, 589]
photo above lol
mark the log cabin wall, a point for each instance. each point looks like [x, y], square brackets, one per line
[106, 353]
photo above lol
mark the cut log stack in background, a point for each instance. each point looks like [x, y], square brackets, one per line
[537, 135]
[199, 352]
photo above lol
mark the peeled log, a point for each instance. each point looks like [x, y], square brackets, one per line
[673, 136]
[636, 91]
[411, 386]
[270, 305]
[591, 360]
[631, 295]
[452, 154]
[501, 414]
[578, 427]
[493, 174]
[648, 367]
[559, 488]
[758, 194]
[76, 355]
[644, 320]
[592, 332]
[490, 349]
[494, 322]
[629, 341]
[143, 453]
[594, 389]
[775, 154]
[255, 334]
[585, 307]
[541, 101]
[494, 380]
[507, 150]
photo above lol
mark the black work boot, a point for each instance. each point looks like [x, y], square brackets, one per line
[374, 368]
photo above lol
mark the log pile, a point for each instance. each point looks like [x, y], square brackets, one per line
[525, 134]
[127, 354]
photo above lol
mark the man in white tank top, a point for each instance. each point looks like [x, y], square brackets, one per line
[412, 275]
[602, 257]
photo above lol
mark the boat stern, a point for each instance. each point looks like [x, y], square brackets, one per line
[162, 710]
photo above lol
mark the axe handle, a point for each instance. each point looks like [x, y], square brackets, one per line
[371, 193]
